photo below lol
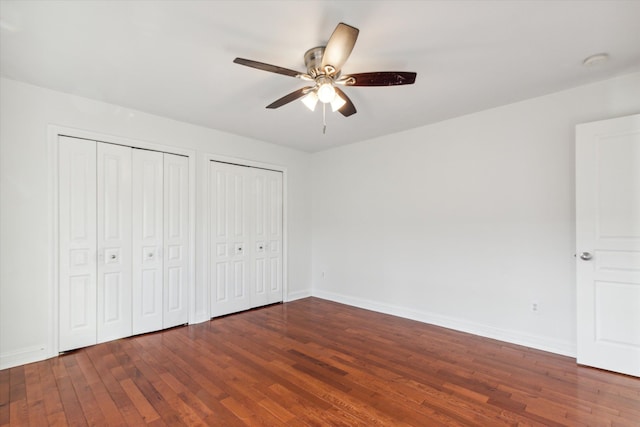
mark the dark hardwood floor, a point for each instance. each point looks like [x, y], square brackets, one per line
[314, 363]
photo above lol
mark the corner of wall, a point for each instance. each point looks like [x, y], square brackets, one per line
[292, 296]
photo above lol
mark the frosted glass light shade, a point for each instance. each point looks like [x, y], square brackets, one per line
[326, 93]
[310, 100]
[337, 103]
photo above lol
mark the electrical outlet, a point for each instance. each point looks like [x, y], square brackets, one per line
[535, 306]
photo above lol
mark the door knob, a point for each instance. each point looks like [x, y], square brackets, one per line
[585, 256]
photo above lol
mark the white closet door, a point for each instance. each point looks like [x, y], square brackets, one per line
[176, 239]
[229, 227]
[148, 228]
[246, 237]
[77, 239]
[267, 235]
[114, 242]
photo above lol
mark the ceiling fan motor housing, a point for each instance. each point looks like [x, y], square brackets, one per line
[313, 61]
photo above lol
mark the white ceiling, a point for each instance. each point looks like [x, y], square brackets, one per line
[174, 58]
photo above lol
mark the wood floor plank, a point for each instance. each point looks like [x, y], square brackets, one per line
[109, 409]
[143, 406]
[104, 361]
[19, 413]
[5, 388]
[35, 400]
[72, 408]
[17, 386]
[91, 408]
[313, 362]
[51, 395]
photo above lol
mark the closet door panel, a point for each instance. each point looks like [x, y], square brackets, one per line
[273, 235]
[260, 220]
[230, 239]
[114, 242]
[176, 239]
[77, 240]
[147, 245]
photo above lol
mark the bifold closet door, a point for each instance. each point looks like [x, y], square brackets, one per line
[246, 237]
[114, 242]
[266, 227]
[77, 243]
[95, 242]
[148, 229]
[124, 241]
[229, 228]
[176, 240]
[160, 240]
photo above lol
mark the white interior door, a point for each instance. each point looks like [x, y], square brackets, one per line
[147, 232]
[77, 240]
[608, 244]
[114, 242]
[266, 194]
[229, 227]
[176, 240]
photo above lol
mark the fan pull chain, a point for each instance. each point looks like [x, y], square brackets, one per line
[324, 118]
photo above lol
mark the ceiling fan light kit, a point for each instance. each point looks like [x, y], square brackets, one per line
[324, 66]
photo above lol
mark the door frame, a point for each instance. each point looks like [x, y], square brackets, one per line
[53, 132]
[204, 199]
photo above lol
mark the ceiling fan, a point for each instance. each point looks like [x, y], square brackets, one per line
[324, 65]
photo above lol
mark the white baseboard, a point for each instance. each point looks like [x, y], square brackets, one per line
[500, 334]
[292, 296]
[24, 356]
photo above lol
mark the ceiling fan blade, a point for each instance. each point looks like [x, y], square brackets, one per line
[339, 46]
[267, 67]
[290, 97]
[382, 78]
[348, 108]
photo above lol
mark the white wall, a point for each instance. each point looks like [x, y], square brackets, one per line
[466, 222]
[26, 227]
[463, 223]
